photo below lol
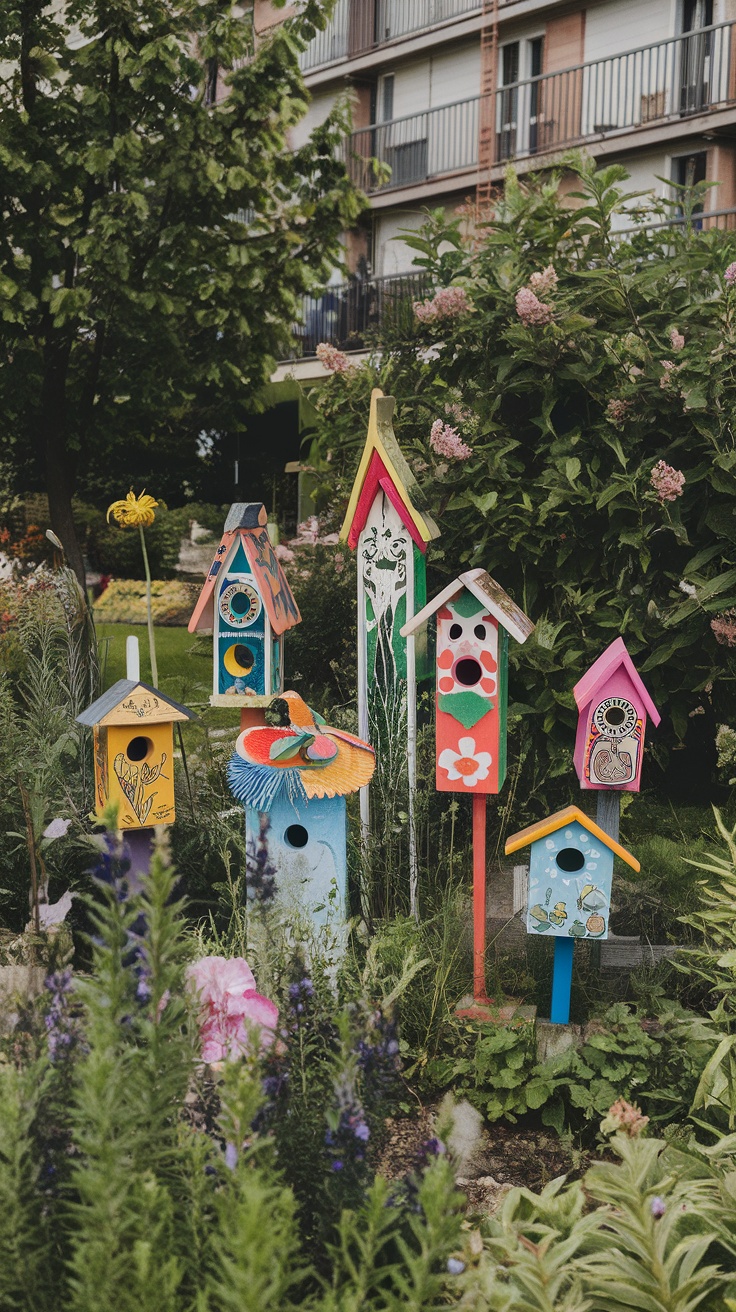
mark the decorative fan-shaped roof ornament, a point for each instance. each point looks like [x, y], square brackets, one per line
[299, 759]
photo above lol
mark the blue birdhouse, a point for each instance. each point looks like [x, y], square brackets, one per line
[570, 875]
[292, 776]
[248, 605]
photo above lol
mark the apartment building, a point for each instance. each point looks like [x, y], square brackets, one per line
[448, 93]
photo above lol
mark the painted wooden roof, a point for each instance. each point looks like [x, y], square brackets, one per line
[247, 523]
[602, 669]
[383, 468]
[558, 821]
[130, 701]
[489, 593]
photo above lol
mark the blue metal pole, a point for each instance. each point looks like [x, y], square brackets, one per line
[562, 981]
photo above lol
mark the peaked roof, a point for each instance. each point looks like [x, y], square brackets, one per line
[602, 669]
[558, 821]
[247, 523]
[383, 468]
[489, 593]
[102, 711]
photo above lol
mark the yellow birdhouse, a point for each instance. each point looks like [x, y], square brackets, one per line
[133, 728]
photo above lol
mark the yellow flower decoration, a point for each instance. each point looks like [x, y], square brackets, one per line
[134, 511]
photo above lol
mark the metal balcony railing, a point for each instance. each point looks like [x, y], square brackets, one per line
[346, 314]
[358, 26]
[408, 150]
[685, 75]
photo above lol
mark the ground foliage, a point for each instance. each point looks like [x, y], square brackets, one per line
[631, 363]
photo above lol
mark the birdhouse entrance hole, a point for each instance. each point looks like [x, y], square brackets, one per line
[570, 859]
[296, 836]
[241, 603]
[139, 748]
[468, 671]
[614, 716]
[239, 659]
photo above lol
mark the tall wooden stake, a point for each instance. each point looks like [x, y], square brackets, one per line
[479, 898]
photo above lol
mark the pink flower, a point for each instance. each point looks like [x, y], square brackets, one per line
[730, 274]
[447, 303]
[336, 361]
[617, 410]
[339, 560]
[627, 1118]
[446, 441]
[543, 282]
[284, 553]
[230, 1008]
[724, 628]
[677, 340]
[531, 310]
[667, 482]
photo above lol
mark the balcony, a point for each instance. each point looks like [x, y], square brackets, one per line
[349, 315]
[405, 151]
[359, 26]
[669, 80]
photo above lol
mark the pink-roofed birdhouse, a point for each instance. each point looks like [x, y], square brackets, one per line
[613, 706]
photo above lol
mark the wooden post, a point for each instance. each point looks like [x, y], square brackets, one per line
[559, 1012]
[479, 898]
[608, 812]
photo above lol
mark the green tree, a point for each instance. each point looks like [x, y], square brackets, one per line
[157, 231]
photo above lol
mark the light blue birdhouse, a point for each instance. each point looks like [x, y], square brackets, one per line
[292, 776]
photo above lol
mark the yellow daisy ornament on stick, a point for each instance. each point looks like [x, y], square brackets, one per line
[139, 512]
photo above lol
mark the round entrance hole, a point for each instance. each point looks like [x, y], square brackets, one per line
[614, 716]
[468, 671]
[138, 748]
[570, 859]
[239, 659]
[296, 836]
[240, 603]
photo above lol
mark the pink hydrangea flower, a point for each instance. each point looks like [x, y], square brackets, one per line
[626, 1117]
[446, 441]
[231, 1009]
[677, 340]
[336, 361]
[667, 482]
[724, 628]
[543, 282]
[447, 303]
[532, 312]
[730, 274]
[284, 553]
[617, 410]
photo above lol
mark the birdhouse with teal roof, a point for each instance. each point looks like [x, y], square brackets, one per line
[613, 706]
[292, 776]
[570, 874]
[247, 605]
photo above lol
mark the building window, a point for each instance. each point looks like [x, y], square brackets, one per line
[696, 53]
[386, 98]
[519, 101]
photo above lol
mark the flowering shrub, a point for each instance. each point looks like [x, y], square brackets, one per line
[446, 304]
[730, 274]
[231, 1008]
[677, 340]
[124, 602]
[666, 481]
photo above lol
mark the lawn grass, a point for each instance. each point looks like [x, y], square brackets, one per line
[183, 658]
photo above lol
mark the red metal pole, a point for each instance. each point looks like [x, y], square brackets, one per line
[479, 898]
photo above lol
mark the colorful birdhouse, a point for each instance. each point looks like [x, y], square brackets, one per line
[474, 618]
[613, 706]
[293, 777]
[247, 604]
[133, 728]
[384, 524]
[570, 874]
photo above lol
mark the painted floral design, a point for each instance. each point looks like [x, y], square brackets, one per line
[466, 763]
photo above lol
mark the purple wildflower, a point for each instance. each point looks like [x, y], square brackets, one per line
[730, 274]
[658, 1207]
[455, 1266]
